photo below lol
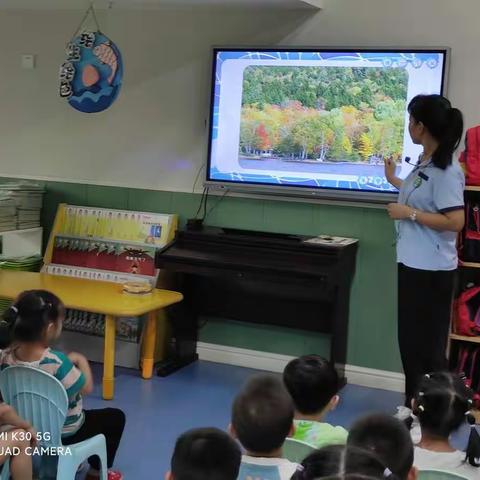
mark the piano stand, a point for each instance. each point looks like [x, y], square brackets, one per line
[257, 277]
[182, 350]
[169, 366]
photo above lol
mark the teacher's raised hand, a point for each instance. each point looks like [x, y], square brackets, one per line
[390, 167]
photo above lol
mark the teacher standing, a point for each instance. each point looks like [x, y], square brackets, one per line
[429, 213]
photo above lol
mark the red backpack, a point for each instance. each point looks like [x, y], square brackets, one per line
[467, 305]
[467, 368]
[470, 157]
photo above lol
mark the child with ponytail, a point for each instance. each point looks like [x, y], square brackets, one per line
[342, 463]
[29, 327]
[442, 405]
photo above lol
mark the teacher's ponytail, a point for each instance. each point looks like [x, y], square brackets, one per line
[444, 123]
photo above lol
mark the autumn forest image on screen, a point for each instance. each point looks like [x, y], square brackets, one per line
[313, 115]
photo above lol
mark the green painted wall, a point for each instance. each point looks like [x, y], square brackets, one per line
[372, 333]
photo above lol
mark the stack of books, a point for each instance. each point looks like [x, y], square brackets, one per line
[8, 214]
[25, 264]
[20, 205]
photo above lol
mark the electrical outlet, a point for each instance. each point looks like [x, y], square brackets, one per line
[28, 62]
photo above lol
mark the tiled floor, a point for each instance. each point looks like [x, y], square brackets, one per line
[158, 410]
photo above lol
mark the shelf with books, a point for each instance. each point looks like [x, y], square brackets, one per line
[113, 246]
[128, 329]
[468, 276]
[106, 244]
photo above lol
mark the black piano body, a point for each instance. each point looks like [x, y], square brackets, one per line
[259, 277]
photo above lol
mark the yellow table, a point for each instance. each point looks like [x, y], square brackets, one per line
[98, 297]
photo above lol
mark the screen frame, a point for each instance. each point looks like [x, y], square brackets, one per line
[325, 193]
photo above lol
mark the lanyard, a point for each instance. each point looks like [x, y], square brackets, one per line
[420, 176]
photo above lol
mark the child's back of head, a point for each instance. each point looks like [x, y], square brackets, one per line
[312, 382]
[389, 439]
[442, 405]
[353, 476]
[262, 415]
[205, 454]
[35, 316]
[338, 461]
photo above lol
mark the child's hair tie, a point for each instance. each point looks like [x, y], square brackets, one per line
[300, 468]
[387, 473]
[9, 320]
[471, 420]
[421, 408]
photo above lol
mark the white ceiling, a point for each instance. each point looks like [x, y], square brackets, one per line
[140, 4]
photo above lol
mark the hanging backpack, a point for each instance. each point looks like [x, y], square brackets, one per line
[469, 244]
[470, 157]
[467, 368]
[467, 319]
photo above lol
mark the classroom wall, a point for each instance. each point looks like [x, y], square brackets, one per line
[373, 299]
[154, 135]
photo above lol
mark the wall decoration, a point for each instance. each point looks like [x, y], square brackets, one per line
[91, 76]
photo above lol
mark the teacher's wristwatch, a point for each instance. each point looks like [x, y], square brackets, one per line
[413, 216]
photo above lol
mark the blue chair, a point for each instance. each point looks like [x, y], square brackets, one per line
[296, 450]
[250, 471]
[5, 472]
[41, 399]
[438, 475]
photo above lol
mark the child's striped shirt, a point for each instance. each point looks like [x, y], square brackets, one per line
[58, 365]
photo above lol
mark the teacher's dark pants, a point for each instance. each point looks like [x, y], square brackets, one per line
[424, 310]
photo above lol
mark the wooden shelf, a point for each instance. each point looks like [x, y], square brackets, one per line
[476, 414]
[464, 338]
[468, 264]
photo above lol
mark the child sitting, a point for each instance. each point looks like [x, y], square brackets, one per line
[30, 325]
[313, 384]
[340, 462]
[442, 405]
[262, 418]
[389, 439]
[205, 454]
[17, 437]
